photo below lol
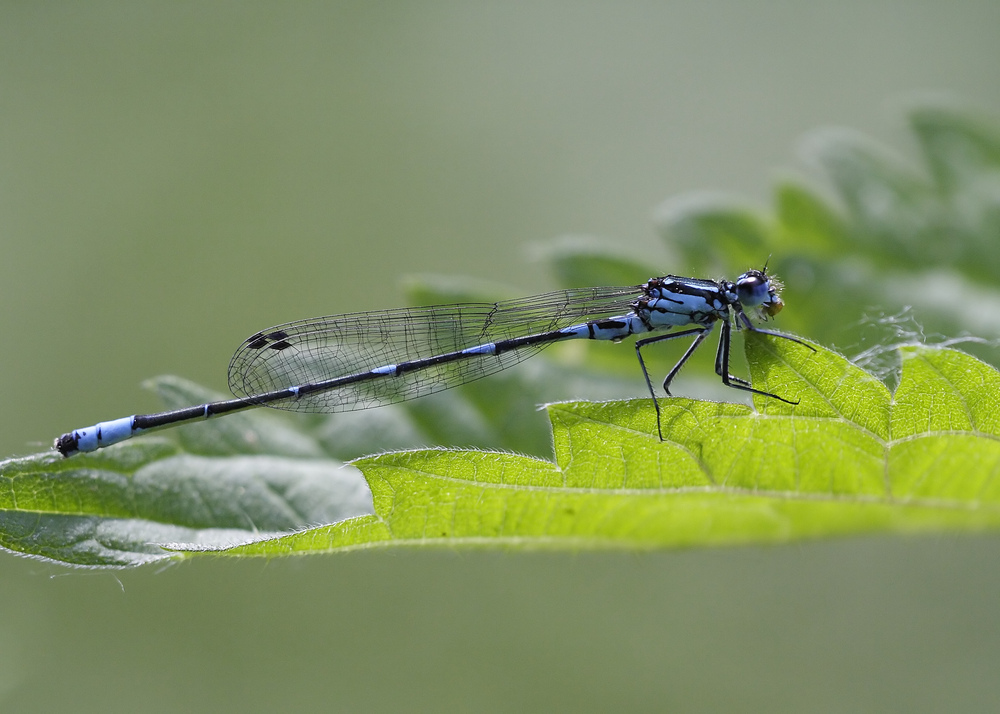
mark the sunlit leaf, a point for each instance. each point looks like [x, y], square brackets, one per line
[849, 458]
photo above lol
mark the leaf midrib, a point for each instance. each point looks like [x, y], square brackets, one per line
[714, 489]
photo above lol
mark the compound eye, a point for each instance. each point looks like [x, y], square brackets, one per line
[752, 289]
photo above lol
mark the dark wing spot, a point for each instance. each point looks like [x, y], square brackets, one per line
[256, 342]
[274, 340]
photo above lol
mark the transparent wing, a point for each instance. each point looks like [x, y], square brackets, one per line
[309, 351]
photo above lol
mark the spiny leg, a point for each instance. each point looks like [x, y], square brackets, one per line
[722, 357]
[702, 333]
[722, 364]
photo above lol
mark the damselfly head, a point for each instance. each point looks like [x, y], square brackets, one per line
[757, 289]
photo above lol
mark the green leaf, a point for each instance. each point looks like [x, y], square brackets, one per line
[431, 289]
[124, 505]
[898, 218]
[586, 261]
[848, 458]
[809, 224]
[958, 145]
[714, 231]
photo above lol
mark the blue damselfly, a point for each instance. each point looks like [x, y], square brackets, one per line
[369, 359]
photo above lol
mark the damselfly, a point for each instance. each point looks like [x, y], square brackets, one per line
[369, 359]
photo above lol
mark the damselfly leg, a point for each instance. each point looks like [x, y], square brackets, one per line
[722, 356]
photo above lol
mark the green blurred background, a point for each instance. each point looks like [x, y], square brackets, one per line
[175, 176]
